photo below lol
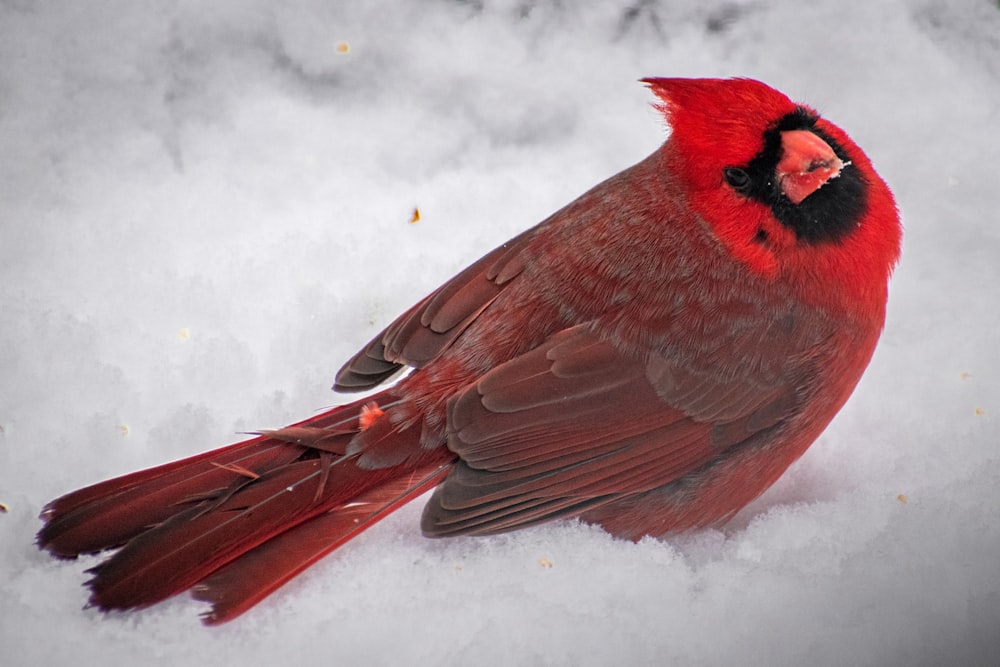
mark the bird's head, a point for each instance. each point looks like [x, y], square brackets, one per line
[778, 185]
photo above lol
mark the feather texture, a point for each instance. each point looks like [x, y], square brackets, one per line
[649, 358]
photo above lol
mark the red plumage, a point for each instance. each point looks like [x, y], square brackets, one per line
[649, 358]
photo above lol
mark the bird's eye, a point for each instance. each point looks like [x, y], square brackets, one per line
[738, 179]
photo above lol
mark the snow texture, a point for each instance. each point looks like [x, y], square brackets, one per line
[206, 209]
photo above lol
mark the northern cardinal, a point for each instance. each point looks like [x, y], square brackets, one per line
[650, 358]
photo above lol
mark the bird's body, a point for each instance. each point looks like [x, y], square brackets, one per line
[650, 358]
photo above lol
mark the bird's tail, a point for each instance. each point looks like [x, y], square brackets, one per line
[237, 522]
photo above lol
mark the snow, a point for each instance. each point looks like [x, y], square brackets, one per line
[206, 211]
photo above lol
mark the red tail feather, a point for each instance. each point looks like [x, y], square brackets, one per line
[244, 582]
[243, 519]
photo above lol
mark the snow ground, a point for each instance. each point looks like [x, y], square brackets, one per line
[205, 211]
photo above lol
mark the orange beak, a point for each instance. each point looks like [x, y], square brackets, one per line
[807, 163]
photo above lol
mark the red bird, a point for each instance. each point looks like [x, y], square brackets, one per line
[650, 358]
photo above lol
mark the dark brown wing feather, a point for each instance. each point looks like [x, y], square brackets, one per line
[573, 424]
[420, 334]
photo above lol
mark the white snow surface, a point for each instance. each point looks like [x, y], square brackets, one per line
[205, 209]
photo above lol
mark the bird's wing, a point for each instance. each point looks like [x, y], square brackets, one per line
[420, 334]
[573, 424]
